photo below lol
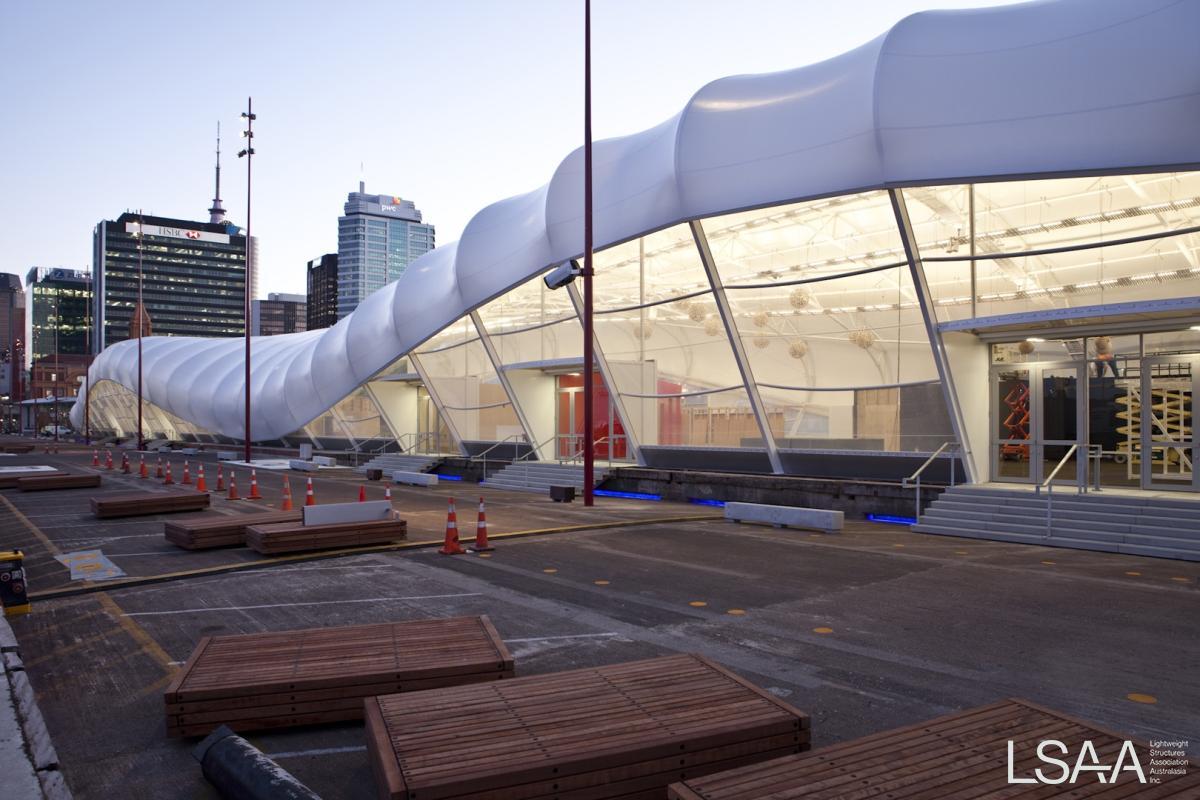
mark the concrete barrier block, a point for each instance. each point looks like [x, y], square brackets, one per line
[324, 461]
[227, 455]
[190, 451]
[786, 516]
[347, 512]
[303, 466]
[415, 478]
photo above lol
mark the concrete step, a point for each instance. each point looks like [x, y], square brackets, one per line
[1183, 503]
[1021, 538]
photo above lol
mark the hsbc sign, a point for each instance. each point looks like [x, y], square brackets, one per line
[178, 233]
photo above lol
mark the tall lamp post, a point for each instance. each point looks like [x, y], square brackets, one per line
[138, 314]
[54, 375]
[589, 411]
[248, 153]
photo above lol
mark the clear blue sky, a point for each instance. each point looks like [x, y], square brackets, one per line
[453, 104]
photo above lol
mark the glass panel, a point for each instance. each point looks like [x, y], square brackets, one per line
[893, 419]
[471, 394]
[1015, 216]
[1185, 341]
[1101, 349]
[821, 238]
[1013, 410]
[721, 419]
[527, 305]
[1170, 464]
[1030, 350]
[360, 419]
[1013, 461]
[855, 331]
[1060, 389]
[560, 340]
[656, 267]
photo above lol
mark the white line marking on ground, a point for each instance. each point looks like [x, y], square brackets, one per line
[287, 605]
[324, 751]
[552, 638]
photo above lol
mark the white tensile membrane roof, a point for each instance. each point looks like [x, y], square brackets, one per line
[1054, 88]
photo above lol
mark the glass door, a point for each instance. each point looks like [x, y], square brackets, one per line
[1039, 411]
[1165, 411]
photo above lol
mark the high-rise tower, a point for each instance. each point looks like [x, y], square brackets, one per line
[216, 214]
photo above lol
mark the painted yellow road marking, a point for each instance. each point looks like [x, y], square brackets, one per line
[736, 612]
[1137, 697]
[1181, 579]
[601, 583]
[823, 630]
[137, 632]
[1048, 563]
[698, 604]
[484, 555]
[1134, 574]
[962, 552]
[897, 545]
[550, 571]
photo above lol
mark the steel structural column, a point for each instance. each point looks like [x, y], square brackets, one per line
[489, 348]
[921, 286]
[437, 401]
[613, 393]
[589, 370]
[735, 341]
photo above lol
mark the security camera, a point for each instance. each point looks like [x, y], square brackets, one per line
[561, 275]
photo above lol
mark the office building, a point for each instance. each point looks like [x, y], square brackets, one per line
[12, 334]
[322, 291]
[279, 313]
[193, 277]
[58, 303]
[378, 237]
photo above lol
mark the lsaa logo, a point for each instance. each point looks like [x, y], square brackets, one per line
[1087, 760]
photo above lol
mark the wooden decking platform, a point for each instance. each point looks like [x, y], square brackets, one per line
[9, 479]
[305, 677]
[295, 537]
[16, 449]
[227, 530]
[956, 756]
[135, 504]
[621, 731]
[42, 483]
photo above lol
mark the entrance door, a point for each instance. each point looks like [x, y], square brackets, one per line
[609, 435]
[1169, 387]
[1039, 412]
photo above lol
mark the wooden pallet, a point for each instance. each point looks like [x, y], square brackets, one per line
[620, 731]
[135, 504]
[305, 677]
[224, 531]
[9, 480]
[292, 537]
[16, 449]
[958, 755]
[42, 483]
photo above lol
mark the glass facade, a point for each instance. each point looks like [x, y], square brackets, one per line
[805, 328]
[378, 238]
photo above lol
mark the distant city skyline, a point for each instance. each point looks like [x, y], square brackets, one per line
[454, 105]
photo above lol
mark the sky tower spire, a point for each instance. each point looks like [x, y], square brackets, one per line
[216, 214]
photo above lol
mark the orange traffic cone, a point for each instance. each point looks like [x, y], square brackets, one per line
[451, 547]
[125, 463]
[95, 458]
[46, 450]
[254, 495]
[142, 471]
[168, 480]
[220, 479]
[481, 542]
[201, 486]
[158, 473]
[286, 505]
[362, 494]
[108, 463]
[233, 495]
[310, 499]
[187, 474]
[387, 493]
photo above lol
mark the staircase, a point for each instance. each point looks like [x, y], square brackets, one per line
[1115, 522]
[539, 476]
[390, 462]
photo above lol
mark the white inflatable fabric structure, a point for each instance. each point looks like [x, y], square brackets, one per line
[1067, 87]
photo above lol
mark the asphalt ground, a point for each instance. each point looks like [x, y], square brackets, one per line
[866, 630]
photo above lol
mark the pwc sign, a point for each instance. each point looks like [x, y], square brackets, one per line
[1079, 763]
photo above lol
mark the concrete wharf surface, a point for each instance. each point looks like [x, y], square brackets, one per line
[865, 630]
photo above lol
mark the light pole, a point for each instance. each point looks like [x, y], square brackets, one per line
[138, 315]
[54, 375]
[589, 411]
[248, 153]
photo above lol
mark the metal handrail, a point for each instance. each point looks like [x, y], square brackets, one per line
[533, 451]
[1048, 485]
[916, 476]
[515, 438]
[579, 452]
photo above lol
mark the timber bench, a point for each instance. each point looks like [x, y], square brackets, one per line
[9, 480]
[620, 731]
[292, 537]
[223, 531]
[41, 483]
[288, 678]
[959, 755]
[16, 449]
[785, 516]
[135, 504]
